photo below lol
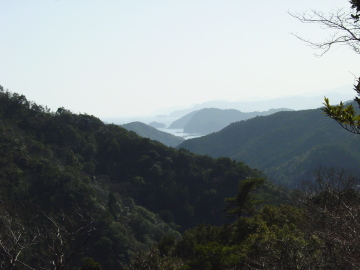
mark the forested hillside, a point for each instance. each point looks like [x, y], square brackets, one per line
[79, 194]
[287, 146]
[105, 188]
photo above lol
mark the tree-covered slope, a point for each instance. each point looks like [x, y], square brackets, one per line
[152, 133]
[58, 203]
[154, 175]
[286, 145]
[80, 194]
[57, 167]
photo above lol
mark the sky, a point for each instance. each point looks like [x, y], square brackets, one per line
[115, 58]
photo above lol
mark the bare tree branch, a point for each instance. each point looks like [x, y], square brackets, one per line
[345, 30]
[15, 238]
[53, 240]
[332, 201]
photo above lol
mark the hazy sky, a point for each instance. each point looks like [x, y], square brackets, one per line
[130, 57]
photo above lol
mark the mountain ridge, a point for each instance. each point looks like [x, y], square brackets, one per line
[301, 139]
[210, 120]
[296, 102]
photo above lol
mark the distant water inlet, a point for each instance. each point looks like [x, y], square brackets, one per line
[180, 133]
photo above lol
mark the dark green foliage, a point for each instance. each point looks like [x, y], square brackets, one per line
[244, 202]
[55, 162]
[154, 175]
[318, 234]
[346, 115]
[79, 194]
[90, 264]
[271, 239]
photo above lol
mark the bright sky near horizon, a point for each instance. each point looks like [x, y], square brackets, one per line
[131, 57]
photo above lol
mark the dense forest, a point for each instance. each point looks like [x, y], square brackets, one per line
[100, 185]
[80, 194]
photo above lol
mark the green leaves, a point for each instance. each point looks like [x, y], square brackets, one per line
[346, 116]
[343, 115]
[244, 201]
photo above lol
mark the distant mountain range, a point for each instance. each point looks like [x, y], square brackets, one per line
[208, 120]
[291, 102]
[287, 146]
[147, 131]
[167, 116]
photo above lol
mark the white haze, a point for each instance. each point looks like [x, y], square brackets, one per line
[113, 58]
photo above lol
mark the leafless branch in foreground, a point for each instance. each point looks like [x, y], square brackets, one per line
[50, 241]
[345, 30]
[332, 201]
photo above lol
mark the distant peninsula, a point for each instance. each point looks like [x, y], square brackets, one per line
[152, 133]
[208, 120]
